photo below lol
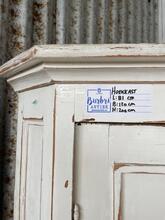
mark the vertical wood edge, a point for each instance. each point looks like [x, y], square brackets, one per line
[18, 163]
[64, 146]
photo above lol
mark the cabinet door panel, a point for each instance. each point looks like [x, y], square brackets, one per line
[119, 172]
[139, 193]
[34, 172]
[137, 154]
[91, 174]
[137, 144]
[35, 155]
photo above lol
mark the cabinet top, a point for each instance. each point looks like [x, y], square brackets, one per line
[83, 54]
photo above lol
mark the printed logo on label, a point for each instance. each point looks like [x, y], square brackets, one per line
[98, 100]
[120, 99]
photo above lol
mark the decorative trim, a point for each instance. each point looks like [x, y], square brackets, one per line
[80, 54]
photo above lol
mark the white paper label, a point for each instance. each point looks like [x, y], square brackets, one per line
[120, 99]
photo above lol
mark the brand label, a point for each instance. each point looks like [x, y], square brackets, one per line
[125, 99]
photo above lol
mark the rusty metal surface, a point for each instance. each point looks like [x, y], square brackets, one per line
[43, 17]
[24, 23]
[3, 31]
[17, 29]
[9, 154]
[107, 21]
[2, 123]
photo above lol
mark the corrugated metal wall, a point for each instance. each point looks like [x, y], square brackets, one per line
[24, 23]
[2, 138]
[106, 21]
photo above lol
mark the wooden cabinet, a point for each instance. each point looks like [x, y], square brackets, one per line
[90, 142]
[35, 154]
[119, 171]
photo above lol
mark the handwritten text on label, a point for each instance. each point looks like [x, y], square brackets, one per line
[120, 99]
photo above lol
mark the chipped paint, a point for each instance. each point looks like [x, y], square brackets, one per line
[66, 184]
[25, 23]
[88, 120]
[117, 166]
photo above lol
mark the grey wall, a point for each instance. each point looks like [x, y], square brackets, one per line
[24, 23]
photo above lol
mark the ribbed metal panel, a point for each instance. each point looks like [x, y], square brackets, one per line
[3, 31]
[2, 150]
[107, 21]
[24, 23]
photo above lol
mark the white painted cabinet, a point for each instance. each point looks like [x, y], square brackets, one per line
[35, 159]
[119, 171]
[90, 142]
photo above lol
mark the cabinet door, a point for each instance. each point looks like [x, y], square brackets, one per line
[119, 172]
[91, 175]
[139, 192]
[34, 163]
[138, 157]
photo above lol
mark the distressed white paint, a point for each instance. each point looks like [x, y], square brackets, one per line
[139, 192]
[137, 152]
[18, 163]
[64, 142]
[52, 82]
[34, 175]
[71, 64]
[143, 145]
[91, 176]
[82, 54]
[33, 189]
[100, 74]
[119, 171]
